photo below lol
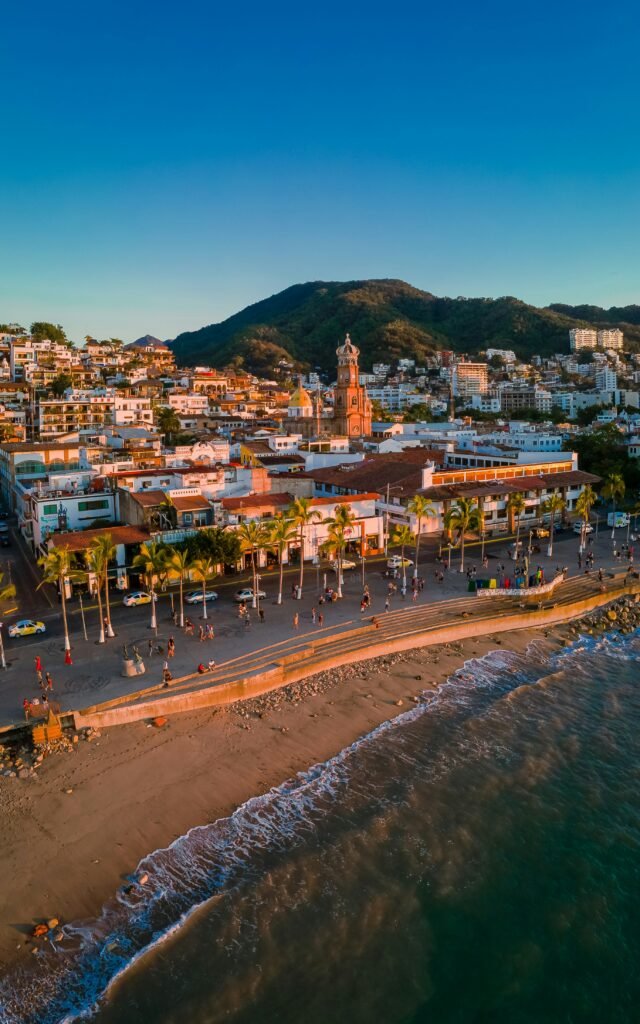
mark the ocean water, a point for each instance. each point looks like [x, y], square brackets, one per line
[476, 860]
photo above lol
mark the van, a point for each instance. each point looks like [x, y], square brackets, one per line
[616, 519]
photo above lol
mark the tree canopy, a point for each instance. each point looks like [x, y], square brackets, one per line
[41, 329]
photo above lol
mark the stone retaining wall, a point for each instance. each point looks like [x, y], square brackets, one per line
[290, 669]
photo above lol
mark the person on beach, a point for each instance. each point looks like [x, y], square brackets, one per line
[296, 620]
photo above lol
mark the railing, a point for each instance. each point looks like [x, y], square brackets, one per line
[542, 588]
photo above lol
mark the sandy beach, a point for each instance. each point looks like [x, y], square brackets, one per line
[136, 788]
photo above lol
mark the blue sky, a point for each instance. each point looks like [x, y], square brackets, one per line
[166, 164]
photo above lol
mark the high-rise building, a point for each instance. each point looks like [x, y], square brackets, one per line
[469, 379]
[582, 337]
[612, 339]
[606, 379]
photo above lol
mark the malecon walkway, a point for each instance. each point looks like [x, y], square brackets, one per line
[408, 627]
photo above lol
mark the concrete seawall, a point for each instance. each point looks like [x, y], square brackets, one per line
[345, 648]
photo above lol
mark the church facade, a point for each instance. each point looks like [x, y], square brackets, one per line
[351, 404]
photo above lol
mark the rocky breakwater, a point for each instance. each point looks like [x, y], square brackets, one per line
[621, 616]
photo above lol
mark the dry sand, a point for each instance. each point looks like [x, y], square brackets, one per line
[136, 788]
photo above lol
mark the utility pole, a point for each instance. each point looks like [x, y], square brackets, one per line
[386, 527]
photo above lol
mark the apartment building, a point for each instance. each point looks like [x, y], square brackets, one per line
[470, 379]
[613, 340]
[606, 379]
[514, 400]
[90, 410]
[582, 337]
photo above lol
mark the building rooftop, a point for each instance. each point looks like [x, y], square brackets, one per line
[79, 540]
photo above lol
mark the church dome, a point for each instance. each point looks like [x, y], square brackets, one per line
[348, 349]
[300, 399]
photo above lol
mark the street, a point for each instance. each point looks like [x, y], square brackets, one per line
[95, 673]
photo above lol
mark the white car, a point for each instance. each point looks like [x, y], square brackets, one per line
[26, 627]
[396, 562]
[195, 597]
[137, 597]
[246, 594]
[346, 564]
[580, 526]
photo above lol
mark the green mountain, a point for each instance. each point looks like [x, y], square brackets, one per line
[388, 320]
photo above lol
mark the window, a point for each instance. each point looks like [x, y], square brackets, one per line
[90, 506]
[49, 510]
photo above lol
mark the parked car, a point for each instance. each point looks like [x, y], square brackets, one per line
[26, 627]
[137, 597]
[195, 597]
[396, 562]
[246, 594]
[580, 525]
[346, 564]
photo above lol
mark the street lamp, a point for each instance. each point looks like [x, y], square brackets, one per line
[256, 593]
[362, 556]
[3, 660]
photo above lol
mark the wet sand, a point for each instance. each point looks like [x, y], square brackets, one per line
[136, 788]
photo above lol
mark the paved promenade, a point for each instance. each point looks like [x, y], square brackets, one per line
[239, 649]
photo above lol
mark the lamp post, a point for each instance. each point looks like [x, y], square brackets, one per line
[84, 625]
[3, 660]
[256, 593]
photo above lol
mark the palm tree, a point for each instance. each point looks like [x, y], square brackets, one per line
[57, 568]
[463, 517]
[550, 506]
[302, 515]
[614, 490]
[281, 532]
[203, 569]
[335, 544]
[403, 536]
[178, 564]
[254, 537]
[104, 544]
[585, 502]
[516, 506]
[341, 523]
[97, 565]
[421, 508]
[168, 422]
[152, 560]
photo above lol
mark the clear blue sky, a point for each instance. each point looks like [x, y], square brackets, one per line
[164, 164]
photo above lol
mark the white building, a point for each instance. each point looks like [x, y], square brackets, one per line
[606, 379]
[611, 339]
[582, 337]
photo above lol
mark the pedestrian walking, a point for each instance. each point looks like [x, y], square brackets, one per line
[261, 615]
[414, 596]
[294, 591]
[210, 632]
[201, 633]
[313, 615]
[247, 620]
[171, 647]
[386, 604]
[38, 668]
[48, 681]
[320, 619]
[150, 645]
[296, 620]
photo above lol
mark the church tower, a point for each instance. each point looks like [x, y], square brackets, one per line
[352, 407]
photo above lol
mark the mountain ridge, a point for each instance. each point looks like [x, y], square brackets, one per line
[388, 319]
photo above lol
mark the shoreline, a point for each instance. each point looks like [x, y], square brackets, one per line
[80, 825]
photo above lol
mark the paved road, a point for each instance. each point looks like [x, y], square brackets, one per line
[95, 674]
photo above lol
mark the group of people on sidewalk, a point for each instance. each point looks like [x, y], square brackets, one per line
[46, 687]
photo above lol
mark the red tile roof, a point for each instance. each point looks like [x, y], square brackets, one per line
[79, 540]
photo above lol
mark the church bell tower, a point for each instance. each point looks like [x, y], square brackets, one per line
[352, 407]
